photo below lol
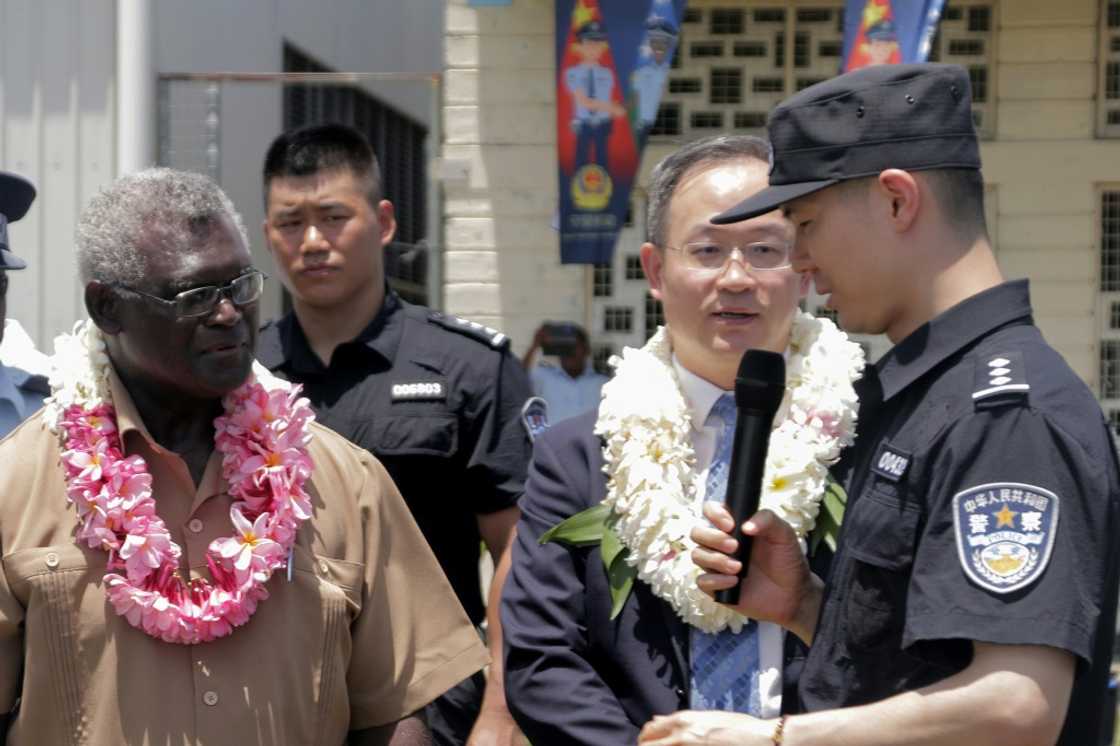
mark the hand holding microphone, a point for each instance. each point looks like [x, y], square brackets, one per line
[759, 387]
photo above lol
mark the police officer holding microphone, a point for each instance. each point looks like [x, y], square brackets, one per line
[972, 599]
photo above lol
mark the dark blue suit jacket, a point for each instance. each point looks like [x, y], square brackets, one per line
[572, 675]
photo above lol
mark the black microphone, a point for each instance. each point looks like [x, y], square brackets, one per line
[759, 387]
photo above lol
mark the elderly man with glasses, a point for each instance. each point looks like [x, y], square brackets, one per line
[239, 574]
[621, 487]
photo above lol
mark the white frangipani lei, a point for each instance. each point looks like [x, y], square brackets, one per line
[651, 467]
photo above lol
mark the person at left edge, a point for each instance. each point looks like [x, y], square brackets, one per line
[356, 628]
[21, 390]
[437, 399]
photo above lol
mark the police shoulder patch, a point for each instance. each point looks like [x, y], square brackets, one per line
[534, 416]
[1005, 532]
[484, 334]
[1000, 375]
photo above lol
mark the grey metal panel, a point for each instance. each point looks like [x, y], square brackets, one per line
[57, 129]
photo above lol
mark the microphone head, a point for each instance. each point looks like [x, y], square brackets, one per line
[761, 381]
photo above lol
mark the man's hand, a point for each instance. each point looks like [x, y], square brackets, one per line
[496, 727]
[691, 727]
[779, 586]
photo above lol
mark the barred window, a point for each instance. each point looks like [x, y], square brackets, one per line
[684, 85]
[1110, 368]
[770, 15]
[668, 120]
[655, 315]
[978, 76]
[602, 284]
[726, 86]
[706, 120]
[618, 319]
[768, 85]
[726, 21]
[966, 47]
[780, 49]
[814, 15]
[749, 49]
[1110, 241]
[1112, 80]
[1108, 81]
[827, 313]
[707, 49]
[1114, 316]
[692, 15]
[600, 358]
[830, 49]
[980, 18]
[801, 49]
[634, 267]
[1113, 14]
[750, 120]
[803, 83]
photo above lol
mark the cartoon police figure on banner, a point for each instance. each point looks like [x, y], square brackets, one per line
[612, 59]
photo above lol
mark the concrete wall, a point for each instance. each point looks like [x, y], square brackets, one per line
[501, 260]
[58, 129]
[58, 98]
[1044, 165]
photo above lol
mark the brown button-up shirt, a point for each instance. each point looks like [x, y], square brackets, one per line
[365, 631]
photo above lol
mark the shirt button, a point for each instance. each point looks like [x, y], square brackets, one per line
[210, 698]
[52, 560]
[195, 526]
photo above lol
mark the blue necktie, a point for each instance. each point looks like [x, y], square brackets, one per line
[725, 665]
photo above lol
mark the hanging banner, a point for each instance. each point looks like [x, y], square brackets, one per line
[612, 59]
[881, 32]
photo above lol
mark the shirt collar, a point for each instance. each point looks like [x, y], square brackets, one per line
[950, 332]
[128, 418]
[382, 335]
[700, 395]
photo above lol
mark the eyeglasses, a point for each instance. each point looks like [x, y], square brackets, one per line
[202, 301]
[709, 256]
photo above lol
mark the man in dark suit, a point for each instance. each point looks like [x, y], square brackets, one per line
[574, 674]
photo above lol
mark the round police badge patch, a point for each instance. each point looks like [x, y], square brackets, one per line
[534, 416]
[1005, 532]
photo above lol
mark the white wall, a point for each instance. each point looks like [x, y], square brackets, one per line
[57, 128]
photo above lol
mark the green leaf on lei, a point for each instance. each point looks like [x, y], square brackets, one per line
[582, 529]
[595, 526]
[831, 516]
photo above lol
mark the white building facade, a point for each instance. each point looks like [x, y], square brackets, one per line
[1046, 78]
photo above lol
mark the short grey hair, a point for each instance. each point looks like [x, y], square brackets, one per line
[155, 208]
[672, 168]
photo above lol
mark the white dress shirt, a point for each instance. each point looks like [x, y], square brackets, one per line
[701, 396]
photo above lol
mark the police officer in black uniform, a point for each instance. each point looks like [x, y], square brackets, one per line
[21, 390]
[973, 595]
[436, 398]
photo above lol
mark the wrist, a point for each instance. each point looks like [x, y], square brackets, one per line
[778, 735]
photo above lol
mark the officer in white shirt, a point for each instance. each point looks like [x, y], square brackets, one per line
[23, 384]
[572, 387]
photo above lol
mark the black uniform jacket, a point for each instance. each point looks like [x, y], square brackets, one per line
[983, 506]
[438, 400]
[572, 675]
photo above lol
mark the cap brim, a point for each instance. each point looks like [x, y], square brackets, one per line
[8, 260]
[768, 199]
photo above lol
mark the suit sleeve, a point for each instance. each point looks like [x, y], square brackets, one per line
[552, 686]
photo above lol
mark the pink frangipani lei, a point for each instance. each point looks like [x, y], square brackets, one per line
[262, 438]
